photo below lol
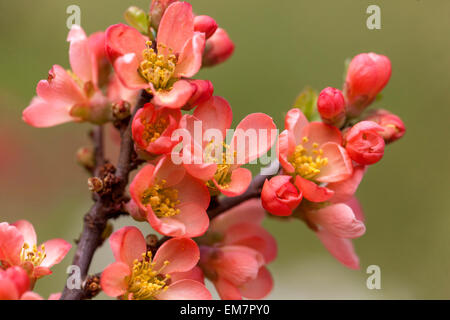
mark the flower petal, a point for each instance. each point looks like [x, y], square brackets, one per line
[341, 249]
[176, 26]
[294, 122]
[113, 279]
[126, 68]
[215, 113]
[177, 97]
[80, 56]
[339, 165]
[42, 114]
[27, 231]
[55, 250]
[185, 290]
[194, 218]
[11, 242]
[320, 133]
[194, 274]
[344, 190]
[127, 245]
[259, 129]
[285, 148]
[182, 254]
[142, 181]
[312, 191]
[259, 287]
[339, 220]
[122, 39]
[227, 290]
[30, 295]
[190, 60]
[193, 190]
[240, 180]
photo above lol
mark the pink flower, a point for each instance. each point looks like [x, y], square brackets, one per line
[18, 248]
[204, 90]
[172, 201]
[219, 48]
[331, 106]
[313, 155]
[206, 155]
[367, 75]
[393, 126]
[205, 24]
[152, 129]
[279, 196]
[235, 250]
[178, 55]
[137, 275]
[364, 143]
[72, 95]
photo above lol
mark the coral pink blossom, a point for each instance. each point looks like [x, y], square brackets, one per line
[138, 275]
[18, 247]
[178, 55]
[331, 106]
[313, 154]
[336, 225]
[393, 126]
[367, 75]
[364, 143]
[235, 250]
[152, 129]
[219, 48]
[173, 202]
[205, 24]
[208, 157]
[72, 95]
[204, 90]
[279, 196]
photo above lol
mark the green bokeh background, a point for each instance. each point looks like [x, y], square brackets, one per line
[281, 46]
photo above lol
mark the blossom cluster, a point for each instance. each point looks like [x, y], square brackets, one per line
[190, 162]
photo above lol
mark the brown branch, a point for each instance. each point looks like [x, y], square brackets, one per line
[107, 203]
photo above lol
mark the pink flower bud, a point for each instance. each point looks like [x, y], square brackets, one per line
[279, 196]
[393, 126]
[367, 75]
[331, 106]
[135, 212]
[218, 48]
[205, 24]
[364, 143]
[204, 90]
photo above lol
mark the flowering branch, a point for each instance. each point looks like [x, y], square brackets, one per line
[107, 203]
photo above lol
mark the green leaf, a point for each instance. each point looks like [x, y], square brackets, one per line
[138, 19]
[307, 102]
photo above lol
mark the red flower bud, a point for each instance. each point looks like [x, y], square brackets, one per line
[218, 48]
[367, 75]
[331, 106]
[205, 24]
[204, 90]
[364, 143]
[279, 196]
[393, 126]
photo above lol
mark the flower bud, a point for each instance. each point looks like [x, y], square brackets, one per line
[121, 110]
[331, 106]
[279, 196]
[204, 90]
[157, 9]
[367, 75]
[138, 19]
[364, 143]
[393, 126]
[95, 184]
[205, 24]
[85, 157]
[218, 48]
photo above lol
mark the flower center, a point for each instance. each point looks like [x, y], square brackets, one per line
[162, 200]
[158, 69]
[224, 159]
[153, 130]
[32, 254]
[307, 163]
[145, 282]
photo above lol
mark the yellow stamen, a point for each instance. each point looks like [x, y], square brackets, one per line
[145, 282]
[32, 254]
[307, 163]
[162, 200]
[158, 69]
[224, 164]
[153, 130]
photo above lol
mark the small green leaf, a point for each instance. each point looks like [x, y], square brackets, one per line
[138, 19]
[306, 102]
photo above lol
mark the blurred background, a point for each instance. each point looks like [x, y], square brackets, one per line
[281, 46]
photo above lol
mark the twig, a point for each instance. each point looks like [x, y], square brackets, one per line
[107, 204]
